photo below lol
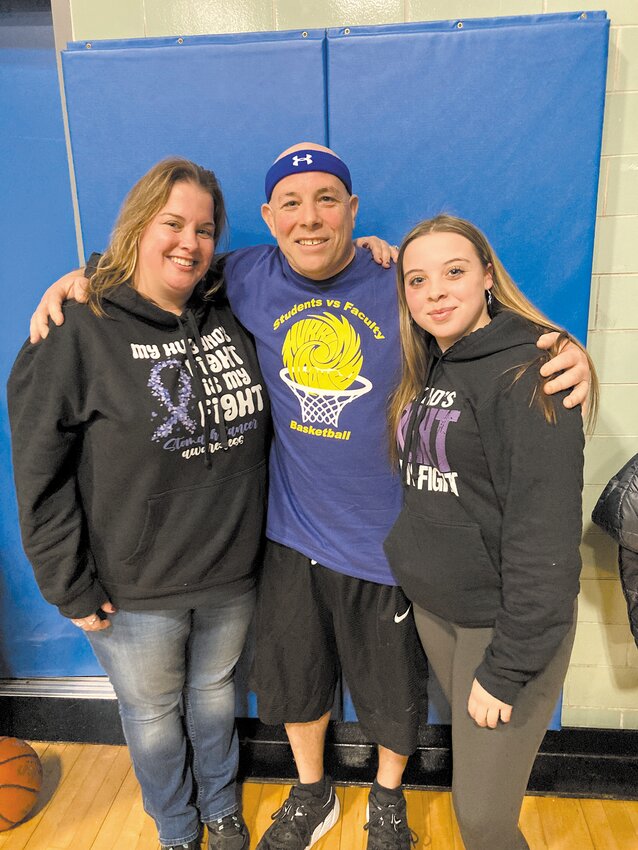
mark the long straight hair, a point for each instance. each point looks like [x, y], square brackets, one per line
[505, 293]
[147, 197]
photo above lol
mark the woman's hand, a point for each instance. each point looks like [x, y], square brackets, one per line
[382, 252]
[573, 365]
[95, 623]
[72, 285]
[485, 709]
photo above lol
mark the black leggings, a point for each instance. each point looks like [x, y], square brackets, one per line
[491, 766]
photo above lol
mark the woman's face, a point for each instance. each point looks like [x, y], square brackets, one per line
[176, 248]
[445, 284]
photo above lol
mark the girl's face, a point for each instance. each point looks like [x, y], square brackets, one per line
[445, 285]
[177, 247]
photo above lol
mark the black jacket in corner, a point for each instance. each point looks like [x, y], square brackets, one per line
[490, 531]
[117, 497]
[616, 512]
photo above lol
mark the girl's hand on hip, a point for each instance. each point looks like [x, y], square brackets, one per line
[485, 709]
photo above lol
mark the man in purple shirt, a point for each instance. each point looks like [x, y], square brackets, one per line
[325, 322]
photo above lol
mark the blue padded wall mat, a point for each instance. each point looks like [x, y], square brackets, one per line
[497, 120]
[38, 244]
[227, 102]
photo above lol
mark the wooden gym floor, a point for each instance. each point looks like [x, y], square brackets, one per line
[90, 800]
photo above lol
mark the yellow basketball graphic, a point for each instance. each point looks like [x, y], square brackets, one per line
[323, 352]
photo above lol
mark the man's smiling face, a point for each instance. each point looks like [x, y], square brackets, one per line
[311, 215]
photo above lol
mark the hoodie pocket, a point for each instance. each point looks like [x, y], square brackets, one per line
[444, 566]
[206, 534]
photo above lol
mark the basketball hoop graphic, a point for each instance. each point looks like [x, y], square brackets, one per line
[324, 405]
[322, 357]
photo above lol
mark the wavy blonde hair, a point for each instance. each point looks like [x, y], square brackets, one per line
[505, 293]
[147, 197]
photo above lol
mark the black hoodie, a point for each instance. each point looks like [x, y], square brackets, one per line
[131, 485]
[490, 531]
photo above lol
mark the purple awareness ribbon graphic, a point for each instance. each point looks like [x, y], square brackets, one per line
[177, 412]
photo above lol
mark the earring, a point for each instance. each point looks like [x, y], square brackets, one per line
[489, 300]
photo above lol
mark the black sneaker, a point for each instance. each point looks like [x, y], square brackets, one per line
[191, 845]
[301, 821]
[387, 825]
[228, 833]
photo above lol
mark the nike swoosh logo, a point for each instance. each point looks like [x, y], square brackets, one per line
[397, 618]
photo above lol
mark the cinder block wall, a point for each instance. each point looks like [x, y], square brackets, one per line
[602, 684]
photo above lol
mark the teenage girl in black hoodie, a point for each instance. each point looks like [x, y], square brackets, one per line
[487, 544]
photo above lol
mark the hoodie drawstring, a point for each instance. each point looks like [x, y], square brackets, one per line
[189, 326]
[417, 415]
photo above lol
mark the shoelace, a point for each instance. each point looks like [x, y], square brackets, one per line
[294, 816]
[398, 825]
[229, 822]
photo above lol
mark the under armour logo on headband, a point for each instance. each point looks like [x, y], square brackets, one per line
[307, 160]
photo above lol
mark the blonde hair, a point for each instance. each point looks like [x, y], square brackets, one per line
[118, 263]
[504, 293]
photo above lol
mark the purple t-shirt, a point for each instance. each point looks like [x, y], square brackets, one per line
[330, 355]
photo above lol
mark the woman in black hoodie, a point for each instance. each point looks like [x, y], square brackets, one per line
[487, 544]
[139, 431]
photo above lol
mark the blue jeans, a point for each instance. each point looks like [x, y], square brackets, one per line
[173, 673]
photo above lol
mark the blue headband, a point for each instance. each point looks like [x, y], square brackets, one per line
[307, 160]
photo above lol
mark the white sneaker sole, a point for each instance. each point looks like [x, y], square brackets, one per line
[325, 825]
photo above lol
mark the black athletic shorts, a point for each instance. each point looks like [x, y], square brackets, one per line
[312, 623]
